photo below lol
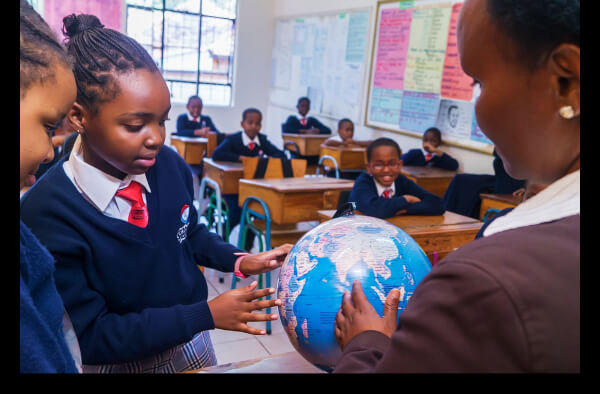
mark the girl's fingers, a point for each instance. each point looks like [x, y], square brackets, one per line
[259, 305]
[260, 317]
[259, 293]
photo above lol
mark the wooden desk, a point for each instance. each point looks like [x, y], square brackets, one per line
[499, 201]
[287, 233]
[226, 173]
[290, 362]
[441, 234]
[347, 158]
[432, 179]
[309, 144]
[294, 200]
[192, 149]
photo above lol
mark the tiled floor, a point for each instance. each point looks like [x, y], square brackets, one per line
[232, 346]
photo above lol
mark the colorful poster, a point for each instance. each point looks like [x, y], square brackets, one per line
[455, 119]
[356, 40]
[427, 47]
[455, 83]
[385, 106]
[419, 111]
[392, 47]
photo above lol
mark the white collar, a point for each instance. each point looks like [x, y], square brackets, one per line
[557, 201]
[190, 117]
[381, 188]
[425, 152]
[300, 117]
[246, 140]
[98, 187]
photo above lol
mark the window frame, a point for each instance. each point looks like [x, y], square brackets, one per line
[200, 15]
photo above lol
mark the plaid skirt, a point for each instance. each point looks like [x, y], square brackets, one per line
[197, 353]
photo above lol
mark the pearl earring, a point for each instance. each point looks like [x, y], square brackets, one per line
[566, 112]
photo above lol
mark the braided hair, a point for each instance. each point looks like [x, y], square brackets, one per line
[40, 49]
[99, 54]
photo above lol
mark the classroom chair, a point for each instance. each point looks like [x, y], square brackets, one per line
[247, 223]
[321, 165]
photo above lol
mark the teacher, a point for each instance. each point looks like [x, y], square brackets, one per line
[510, 301]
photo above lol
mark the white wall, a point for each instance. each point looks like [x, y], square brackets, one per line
[255, 33]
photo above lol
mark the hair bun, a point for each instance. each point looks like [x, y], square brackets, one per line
[75, 24]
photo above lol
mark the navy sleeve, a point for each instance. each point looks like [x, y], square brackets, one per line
[291, 125]
[225, 151]
[430, 203]
[445, 161]
[322, 128]
[183, 128]
[411, 158]
[210, 124]
[364, 194]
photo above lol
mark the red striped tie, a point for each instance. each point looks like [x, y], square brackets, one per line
[138, 215]
[387, 193]
[303, 121]
[251, 145]
[196, 119]
[428, 156]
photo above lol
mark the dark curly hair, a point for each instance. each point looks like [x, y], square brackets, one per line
[40, 49]
[99, 54]
[537, 26]
[382, 141]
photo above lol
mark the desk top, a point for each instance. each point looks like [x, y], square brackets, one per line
[196, 140]
[225, 165]
[353, 148]
[427, 172]
[306, 136]
[418, 221]
[291, 362]
[301, 184]
[507, 198]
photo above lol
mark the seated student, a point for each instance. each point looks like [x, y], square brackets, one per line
[345, 135]
[47, 91]
[118, 218]
[430, 154]
[384, 192]
[193, 123]
[462, 195]
[301, 124]
[246, 143]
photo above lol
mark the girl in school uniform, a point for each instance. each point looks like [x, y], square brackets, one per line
[430, 155]
[509, 301]
[193, 123]
[47, 90]
[384, 192]
[118, 217]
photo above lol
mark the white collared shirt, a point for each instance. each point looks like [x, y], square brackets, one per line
[99, 188]
[246, 140]
[425, 153]
[191, 118]
[557, 201]
[381, 188]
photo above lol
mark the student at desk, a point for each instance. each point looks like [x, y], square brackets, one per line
[384, 192]
[430, 154]
[194, 124]
[246, 143]
[345, 135]
[301, 124]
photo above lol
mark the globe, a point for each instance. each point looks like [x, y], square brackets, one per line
[325, 262]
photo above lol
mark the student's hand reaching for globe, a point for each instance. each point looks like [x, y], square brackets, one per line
[357, 315]
[258, 263]
[233, 309]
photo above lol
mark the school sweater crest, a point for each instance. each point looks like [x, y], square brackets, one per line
[130, 292]
[42, 342]
[364, 194]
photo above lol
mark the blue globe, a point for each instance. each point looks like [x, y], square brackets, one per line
[325, 262]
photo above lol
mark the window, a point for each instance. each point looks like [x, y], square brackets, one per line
[191, 41]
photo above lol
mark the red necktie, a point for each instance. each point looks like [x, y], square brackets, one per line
[196, 119]
[251, 145]
[387, 193]
[303, 121]
[428, 156]
[138, 215]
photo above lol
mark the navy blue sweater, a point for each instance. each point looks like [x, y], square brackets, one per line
[364, 194]
[186, 127]
[293, 126]
[415, 157]
[130, 292]
[233, 146]
[42, 342]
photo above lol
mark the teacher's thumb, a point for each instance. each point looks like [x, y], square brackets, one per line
[390, 310]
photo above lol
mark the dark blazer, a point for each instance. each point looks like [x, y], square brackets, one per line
[293, 126]
[490, 306]
[186, 127]
[415, 157]
[364, 194]
[233, 146]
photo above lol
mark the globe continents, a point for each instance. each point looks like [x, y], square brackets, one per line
[325, 262]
